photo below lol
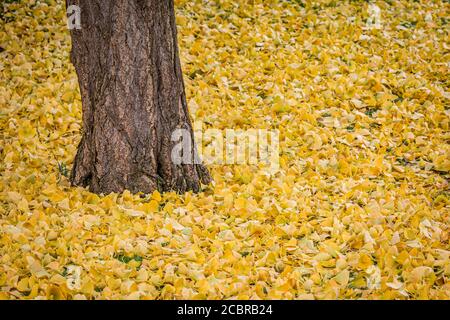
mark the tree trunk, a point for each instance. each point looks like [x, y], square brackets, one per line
[127, 62]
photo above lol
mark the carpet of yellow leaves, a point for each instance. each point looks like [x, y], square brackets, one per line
[358, 209]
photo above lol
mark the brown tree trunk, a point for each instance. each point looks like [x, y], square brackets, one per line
[132, 90]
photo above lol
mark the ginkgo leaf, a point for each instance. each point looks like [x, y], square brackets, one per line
[357, 209]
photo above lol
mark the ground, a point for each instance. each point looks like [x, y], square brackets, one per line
[358, 209]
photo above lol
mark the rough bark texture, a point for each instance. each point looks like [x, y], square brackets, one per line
[129, 72]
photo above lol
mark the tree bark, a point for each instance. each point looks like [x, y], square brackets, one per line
[127, 62]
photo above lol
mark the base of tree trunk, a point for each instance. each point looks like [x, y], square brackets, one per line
[133, 97]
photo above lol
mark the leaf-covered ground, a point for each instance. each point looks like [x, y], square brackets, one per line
[359, 208]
